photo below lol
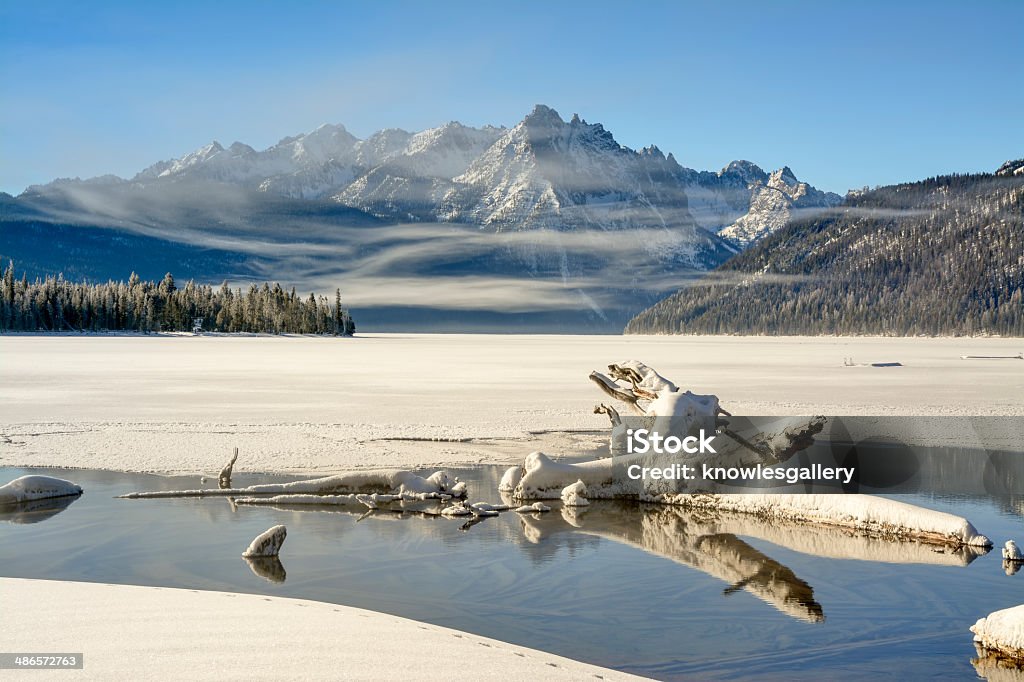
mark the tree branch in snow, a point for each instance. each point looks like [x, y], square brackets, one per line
[359, 482]
[224, 480]
[613, 414]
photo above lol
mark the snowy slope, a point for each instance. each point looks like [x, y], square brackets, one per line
[772, 202]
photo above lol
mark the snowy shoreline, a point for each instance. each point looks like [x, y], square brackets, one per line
[201, 634]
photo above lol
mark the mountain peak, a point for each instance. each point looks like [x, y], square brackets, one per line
[331, 127]
[746, 171]
[786, 175]
[653, 151]
[543, 115]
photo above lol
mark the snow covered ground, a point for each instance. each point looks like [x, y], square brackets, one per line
[220, 635]
[301, 404]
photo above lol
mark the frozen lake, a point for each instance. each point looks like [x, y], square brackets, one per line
[652, 590]
[181, 403]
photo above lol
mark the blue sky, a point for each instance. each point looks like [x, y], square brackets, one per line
[847, 94]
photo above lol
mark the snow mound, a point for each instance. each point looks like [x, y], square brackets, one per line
[545, 477]
[268, 543]
[575, 495]
[1002, 632]
[535, 507]
[457, 509]
[28, 488]
[485, 509]
[1011, 552]
[510, 479]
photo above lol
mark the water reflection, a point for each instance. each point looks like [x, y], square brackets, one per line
[267, 567]
[993, 668]
[532, 579]
[712, 543]
[35, 511]
[680, 536]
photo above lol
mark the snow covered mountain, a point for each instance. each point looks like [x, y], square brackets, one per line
[408, 176]
[543, 173]
[549, 174]
[551, 224]
[772, 202]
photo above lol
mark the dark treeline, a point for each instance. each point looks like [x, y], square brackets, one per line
[944, 256]
[55, 304]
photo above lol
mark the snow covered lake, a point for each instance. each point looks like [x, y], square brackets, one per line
[652, 590]
[303, 404]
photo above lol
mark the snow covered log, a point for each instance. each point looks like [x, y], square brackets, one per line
[267, 544]
[1001, 633]
[387, 481]
[827, 542]
[668, 410]
[671, 411]
[876, 516]
[370, 501]
[34, 487]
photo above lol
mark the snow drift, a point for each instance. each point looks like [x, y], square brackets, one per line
[28, 488]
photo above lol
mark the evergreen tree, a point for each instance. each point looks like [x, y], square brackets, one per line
[54, 304]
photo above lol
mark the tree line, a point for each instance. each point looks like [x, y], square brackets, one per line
[944, 256]
[55, 304]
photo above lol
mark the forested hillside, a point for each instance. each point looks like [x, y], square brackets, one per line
[944, 256]
[55, 304]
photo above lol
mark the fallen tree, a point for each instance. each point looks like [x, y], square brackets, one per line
[394, 482]
[667, 409]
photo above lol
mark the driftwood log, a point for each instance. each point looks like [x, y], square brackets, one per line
[673, 411]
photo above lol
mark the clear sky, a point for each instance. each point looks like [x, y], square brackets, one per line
[846, 93]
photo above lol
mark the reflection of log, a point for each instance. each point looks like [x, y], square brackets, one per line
[267, 567]
[675, 534]
[995, 668]
[35, 511]
[763, 576]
